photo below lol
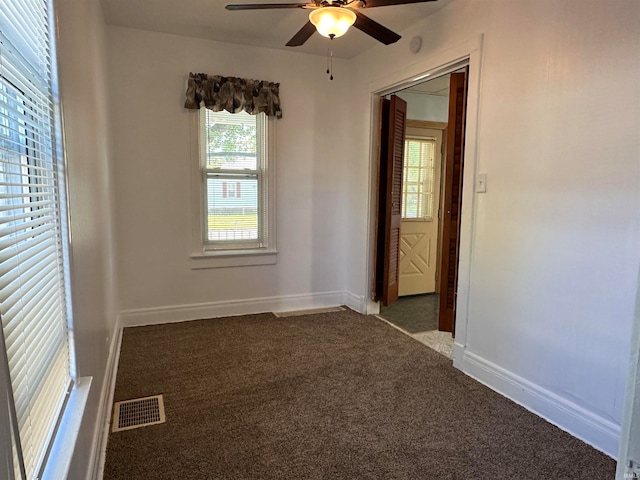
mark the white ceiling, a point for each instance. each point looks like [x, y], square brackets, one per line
[265, 28]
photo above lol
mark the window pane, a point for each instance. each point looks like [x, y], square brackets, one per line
[418, 178]
[413, 151]
[411, 209]
[231, 141]
[232, 208]
[33, 305]
[235, 186]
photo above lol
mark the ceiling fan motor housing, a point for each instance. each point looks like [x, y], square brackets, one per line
[332, 22]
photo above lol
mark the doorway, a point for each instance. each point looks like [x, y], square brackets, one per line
[428, 182]
[439, 62]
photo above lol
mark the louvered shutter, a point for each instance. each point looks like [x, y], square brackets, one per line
[392, 138]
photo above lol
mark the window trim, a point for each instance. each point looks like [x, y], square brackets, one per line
[203, 256]
[63, 445]
[63, 433]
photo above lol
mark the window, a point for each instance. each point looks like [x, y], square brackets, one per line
[418, 178]
[236, 184]
[33, 293]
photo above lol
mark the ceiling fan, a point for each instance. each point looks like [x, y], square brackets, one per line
[332, 18]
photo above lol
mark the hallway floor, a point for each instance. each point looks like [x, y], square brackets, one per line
[417, 315]
[413, 313]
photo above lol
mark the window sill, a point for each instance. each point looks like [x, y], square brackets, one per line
[64, 444]
[233, 258]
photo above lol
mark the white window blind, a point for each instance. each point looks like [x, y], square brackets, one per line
[32, 282]
[418, 181]
[234, 158]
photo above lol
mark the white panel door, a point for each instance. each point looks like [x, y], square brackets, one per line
[419, 226]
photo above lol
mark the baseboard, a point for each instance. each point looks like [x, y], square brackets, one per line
[458, 355]
[599, 432]
[355, 302]
[196, 311]
[101, 434]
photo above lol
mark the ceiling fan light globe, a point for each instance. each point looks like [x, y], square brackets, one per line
[332, 22]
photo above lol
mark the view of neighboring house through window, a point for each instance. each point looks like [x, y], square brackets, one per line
[33, 295]
[418, 178]
[234, 159]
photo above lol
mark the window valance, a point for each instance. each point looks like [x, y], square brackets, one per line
[233, 94]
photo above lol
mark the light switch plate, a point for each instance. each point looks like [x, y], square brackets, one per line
[481, 183]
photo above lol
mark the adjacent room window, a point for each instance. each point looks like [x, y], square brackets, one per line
[234, 167]
[418, 178]
[33, 295]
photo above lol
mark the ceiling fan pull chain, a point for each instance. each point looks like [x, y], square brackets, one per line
[328, 70]
[331, 65]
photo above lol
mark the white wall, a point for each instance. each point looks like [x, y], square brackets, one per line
[554, 246]
[151, 130]
[427, 108]
[81, 65]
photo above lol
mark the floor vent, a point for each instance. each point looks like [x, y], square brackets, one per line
[137, 413]
[308, 312]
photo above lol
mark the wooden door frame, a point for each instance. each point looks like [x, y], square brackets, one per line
[468, 53]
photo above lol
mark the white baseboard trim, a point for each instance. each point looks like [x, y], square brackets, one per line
[458, 355]
[101, 434]
[599, 432]
[196, 311]
[355, 302]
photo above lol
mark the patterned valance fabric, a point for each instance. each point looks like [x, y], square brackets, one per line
[233, 94]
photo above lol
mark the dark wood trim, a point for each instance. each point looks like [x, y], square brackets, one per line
[452, 205]
[378, 247]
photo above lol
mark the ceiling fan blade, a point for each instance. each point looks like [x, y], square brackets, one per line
[386, 3]
[302, 36]
[374, 29]
[266, 6]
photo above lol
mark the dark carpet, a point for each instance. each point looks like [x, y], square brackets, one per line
[414, 313]
[325, 396]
